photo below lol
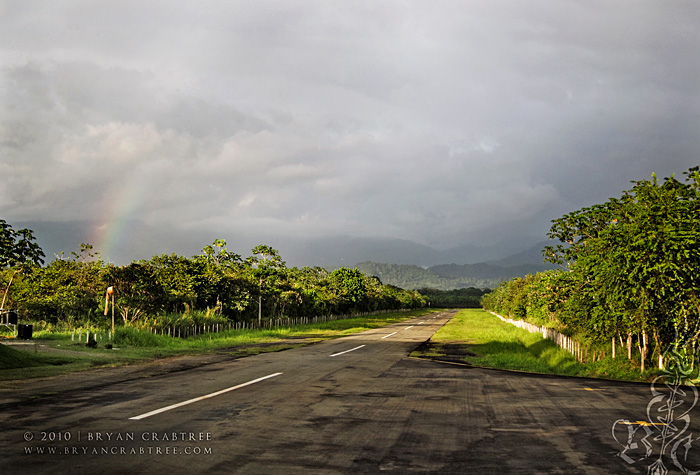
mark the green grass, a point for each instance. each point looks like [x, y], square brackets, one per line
[493, 343]
[476, 336]
[132, 346]
[13, 359]
[16, 363]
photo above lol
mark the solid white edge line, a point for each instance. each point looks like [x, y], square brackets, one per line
[190, 401]
[346, 351]
[387, 336]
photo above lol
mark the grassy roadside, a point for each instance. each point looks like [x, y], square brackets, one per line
[475, 336]
[49, 354]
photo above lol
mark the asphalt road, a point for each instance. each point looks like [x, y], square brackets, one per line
[356, 404]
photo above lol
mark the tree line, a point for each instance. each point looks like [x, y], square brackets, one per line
[71, 289]
[469, 297]
[630, 272]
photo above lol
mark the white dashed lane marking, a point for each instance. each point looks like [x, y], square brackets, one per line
[346, 351]
[197, 399]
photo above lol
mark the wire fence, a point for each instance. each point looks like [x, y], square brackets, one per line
[186, 331]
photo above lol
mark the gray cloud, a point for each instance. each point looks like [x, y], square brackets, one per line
[446, 123]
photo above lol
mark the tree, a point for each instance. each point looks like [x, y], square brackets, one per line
[177, 276]
[67, 288]
[220, 281]
[18, 247]
[317, 297]
[217, 254]
[266, 268]
[350, 286]
[637, 259]
[136, 289]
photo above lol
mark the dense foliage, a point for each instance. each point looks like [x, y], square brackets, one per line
[631, 268]
[469, 297]
[18, 247]
[71, 289]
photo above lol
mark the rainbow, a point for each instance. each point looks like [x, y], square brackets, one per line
[116, 227]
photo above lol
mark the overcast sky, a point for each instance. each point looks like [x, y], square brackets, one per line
[442, 122]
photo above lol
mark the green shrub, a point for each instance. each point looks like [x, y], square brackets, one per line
[129, 336]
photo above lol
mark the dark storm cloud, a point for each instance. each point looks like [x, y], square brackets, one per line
[441, 122]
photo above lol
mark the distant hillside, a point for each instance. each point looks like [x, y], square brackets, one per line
[485, 271]
[406, 276]
[449, 276]
[345, 251]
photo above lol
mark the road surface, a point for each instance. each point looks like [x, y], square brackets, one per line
[356, 404]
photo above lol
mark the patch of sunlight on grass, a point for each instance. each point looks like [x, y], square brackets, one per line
[498, 344]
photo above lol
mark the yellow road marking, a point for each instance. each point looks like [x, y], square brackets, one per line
[643, 423]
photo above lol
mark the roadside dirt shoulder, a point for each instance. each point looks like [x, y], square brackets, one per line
[452, 352]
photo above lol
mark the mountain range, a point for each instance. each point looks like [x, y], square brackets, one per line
[346, 251]
[448, 276]
[456, 276]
